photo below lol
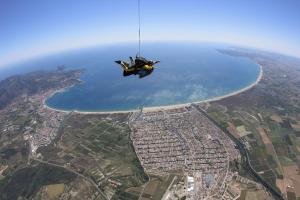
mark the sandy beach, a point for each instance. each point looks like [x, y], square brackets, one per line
[156, 108]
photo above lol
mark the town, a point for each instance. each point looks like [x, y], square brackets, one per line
[184, 139]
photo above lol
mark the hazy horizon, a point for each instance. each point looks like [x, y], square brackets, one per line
[33, 28]
[83, 48]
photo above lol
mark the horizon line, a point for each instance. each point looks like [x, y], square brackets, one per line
[38, 55]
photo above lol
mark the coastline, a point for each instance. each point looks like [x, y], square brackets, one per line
[156, 108]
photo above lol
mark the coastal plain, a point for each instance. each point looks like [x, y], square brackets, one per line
[189, 151]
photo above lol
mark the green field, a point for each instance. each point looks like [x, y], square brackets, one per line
[27, 181]
[100, 148]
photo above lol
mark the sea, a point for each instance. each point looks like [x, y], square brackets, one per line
[187, 72]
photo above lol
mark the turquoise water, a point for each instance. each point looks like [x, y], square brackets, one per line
[187, 73]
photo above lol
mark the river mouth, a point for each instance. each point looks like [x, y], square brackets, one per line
[187, 73]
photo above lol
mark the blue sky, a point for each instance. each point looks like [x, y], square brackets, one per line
[30, 28]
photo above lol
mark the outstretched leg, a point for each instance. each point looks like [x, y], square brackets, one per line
[123, 64]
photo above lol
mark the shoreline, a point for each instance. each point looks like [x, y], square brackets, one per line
[157, 108]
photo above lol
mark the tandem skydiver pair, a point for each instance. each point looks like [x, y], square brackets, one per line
[139, 66]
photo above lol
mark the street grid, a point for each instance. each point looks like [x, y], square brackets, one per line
[183, 139]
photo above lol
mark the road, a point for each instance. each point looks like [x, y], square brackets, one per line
[245, 156]
[74, 172]
[132, 118]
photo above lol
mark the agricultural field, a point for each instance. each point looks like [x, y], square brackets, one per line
[28, 181]
[55, 190]
[266, 120]
[99, 148]
[157, 186]
[245, 189]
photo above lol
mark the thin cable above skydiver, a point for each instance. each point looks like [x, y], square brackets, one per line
[139, 65]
